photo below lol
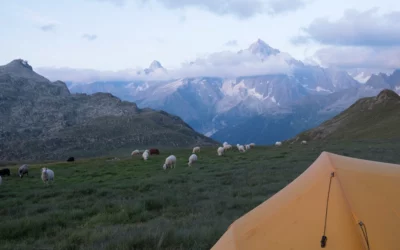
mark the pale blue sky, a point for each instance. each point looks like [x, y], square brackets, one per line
[102, 35]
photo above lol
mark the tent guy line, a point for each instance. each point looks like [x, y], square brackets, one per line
[324, 238]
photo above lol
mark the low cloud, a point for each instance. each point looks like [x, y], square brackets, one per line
[115, 2]
[84, 75]
[48, 27]
[354, 28]
[89, 37]
[232, 43]
[384, 59]
[43, 22]
[239, 8]
[182, 19]
[230, 64]
[159, 39]
[283, 6]
[225, 64]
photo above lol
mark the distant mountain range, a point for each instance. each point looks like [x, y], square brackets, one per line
[41, 120]
[236, 109]
[368, 118]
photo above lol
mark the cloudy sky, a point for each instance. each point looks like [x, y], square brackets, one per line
[116, 35]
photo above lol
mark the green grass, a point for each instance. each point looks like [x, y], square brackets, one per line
[132, 204]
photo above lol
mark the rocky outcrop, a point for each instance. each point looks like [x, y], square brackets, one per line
[40, 120]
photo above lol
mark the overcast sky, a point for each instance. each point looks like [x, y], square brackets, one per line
[115, 35]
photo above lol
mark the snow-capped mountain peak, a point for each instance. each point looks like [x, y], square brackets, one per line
[262, 49]
[155, 65]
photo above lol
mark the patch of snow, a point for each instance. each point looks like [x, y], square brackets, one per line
[362, 77]
[143, 87]
[173, 85]
[254, 93]
[210, 133]
[230, 89]
[319, 89]
[273, 99]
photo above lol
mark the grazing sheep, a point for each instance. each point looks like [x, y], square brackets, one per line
[304, 142]
[135, 152]
[170, 162]
[23, 170]
[0, 180]
[196, 150]
[252, 145]
[241, 148]
[4, 172]
[145, 155]
[47, 175]
[247, 146]
[227, 147]
[154, 151]
[225, 143]
[192, 159]
[220, 151]
[71, 159]
[278, 143]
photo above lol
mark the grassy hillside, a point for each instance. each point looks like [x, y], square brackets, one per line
[368, 118]
[131, 204]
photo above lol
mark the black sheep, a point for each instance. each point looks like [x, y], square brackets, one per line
[4, 172]
[71, 159]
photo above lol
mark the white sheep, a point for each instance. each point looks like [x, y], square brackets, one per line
[241, 148]
[225, 143]
[304, 142]
[23, 170]
[196, 150]
[192, 159]
[278, 143]
[135, 152]
[247, 146]
[252, 145]
[145, 155]
[227, 147]
[170, 162]
[47, 175]
[220, 151]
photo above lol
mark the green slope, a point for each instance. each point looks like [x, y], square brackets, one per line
[368, 118]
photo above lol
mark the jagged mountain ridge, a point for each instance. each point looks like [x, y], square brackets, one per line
[40, 119]
[304, 114]
[203, 101]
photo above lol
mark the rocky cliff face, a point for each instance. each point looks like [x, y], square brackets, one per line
[40, 119]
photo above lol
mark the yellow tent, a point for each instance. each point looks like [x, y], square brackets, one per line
[354, 203]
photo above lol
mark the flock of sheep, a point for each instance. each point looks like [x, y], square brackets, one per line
[47, 174]
[170, 161]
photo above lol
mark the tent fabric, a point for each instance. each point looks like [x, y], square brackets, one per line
[294, 218]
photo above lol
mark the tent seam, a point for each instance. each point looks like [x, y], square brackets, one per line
[346, 198]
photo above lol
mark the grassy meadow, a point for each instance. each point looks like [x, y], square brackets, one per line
[131, 204]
